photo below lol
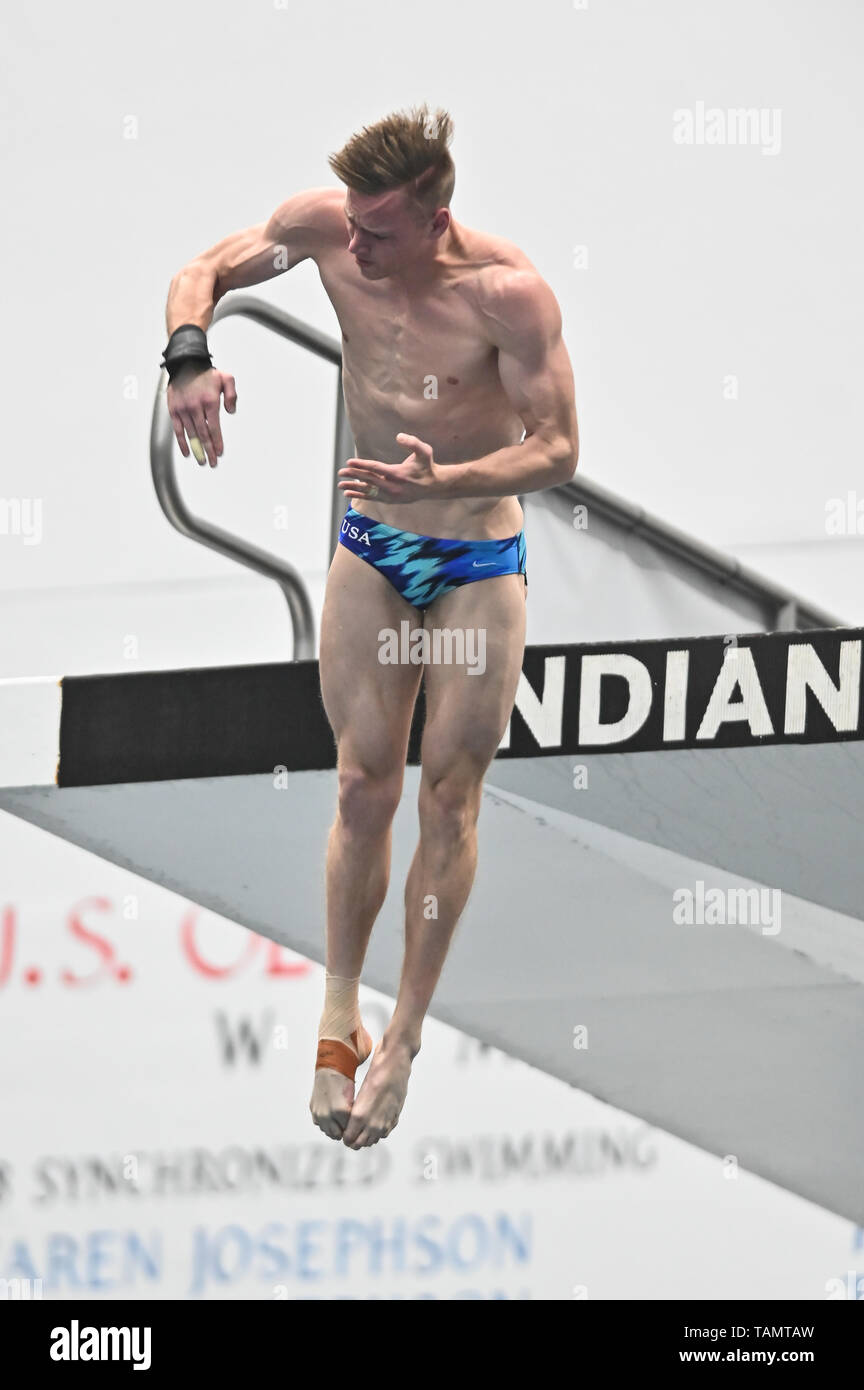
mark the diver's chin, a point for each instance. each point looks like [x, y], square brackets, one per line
[371, 271]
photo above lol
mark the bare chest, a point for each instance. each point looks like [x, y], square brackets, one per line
[403, 350]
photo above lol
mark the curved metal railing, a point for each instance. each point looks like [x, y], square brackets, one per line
[162, 464]
[783, 611]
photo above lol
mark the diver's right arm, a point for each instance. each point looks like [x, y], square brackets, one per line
[244, 258]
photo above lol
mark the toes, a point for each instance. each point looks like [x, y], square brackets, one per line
[361, 1134]
[367, 1137]
[338, 1116]
[330, 1106]
[327, 1125]
[338, 1120]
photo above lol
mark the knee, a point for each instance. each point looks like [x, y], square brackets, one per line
[367, 802]
[449, 806]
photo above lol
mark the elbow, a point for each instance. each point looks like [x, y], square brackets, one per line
[196, 276]
[565, 458]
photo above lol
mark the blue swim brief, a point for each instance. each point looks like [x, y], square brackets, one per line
[422, 568]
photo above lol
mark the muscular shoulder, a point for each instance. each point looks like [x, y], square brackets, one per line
[312, 218]
[508, 292]
[516, 302]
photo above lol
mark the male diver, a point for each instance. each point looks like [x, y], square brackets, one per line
[452, 349]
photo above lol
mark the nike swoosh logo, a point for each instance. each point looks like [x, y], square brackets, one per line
[484, 565]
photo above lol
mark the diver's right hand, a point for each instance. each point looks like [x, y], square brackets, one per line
[193, 404]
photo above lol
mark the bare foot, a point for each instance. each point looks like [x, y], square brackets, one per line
[333, 1087]
[382, 1095]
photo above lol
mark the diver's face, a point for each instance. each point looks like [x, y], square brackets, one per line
[384, 237]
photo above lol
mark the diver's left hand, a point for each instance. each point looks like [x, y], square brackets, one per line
[418, 476]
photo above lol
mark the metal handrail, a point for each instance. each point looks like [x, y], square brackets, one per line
[168, 491]
[787, 610]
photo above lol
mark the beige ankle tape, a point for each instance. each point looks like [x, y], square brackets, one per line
[341, 1013]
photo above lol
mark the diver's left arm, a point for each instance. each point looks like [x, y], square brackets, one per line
[535, 371]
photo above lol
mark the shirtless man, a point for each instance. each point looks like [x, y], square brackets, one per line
[451, 347]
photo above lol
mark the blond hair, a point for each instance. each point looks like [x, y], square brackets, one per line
[406, 149]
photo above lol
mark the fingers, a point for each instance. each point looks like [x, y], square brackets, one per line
[359, 479]
[360, 473]
[204, 428]
[410, 441]
[211, 410]
[180, 435]
[188, 424]
[368, 492]
[229, 392]
[363, 469]
[196, 421]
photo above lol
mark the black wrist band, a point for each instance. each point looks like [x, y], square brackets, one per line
[186, 346]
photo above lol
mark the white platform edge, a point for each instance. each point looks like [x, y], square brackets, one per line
[30, 730]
